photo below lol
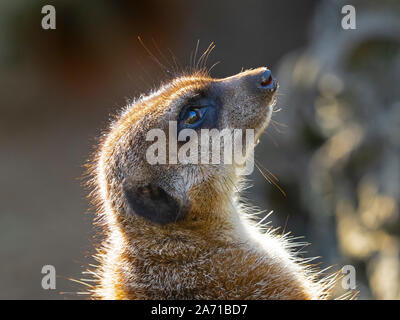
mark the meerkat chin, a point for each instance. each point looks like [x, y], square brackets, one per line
[175, 229]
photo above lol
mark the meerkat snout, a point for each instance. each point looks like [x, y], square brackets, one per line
[175, 228]
[249, 97]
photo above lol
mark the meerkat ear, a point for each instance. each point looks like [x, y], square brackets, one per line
[153, 203]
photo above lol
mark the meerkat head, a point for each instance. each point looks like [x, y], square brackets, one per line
[151, 169]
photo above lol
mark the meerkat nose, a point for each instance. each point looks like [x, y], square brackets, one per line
[265, 81]
[254, 81]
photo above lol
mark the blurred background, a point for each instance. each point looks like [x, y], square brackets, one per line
[335, 145]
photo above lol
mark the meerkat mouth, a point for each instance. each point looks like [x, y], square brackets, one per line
[266, 119]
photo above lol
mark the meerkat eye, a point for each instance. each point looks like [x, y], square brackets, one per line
[194, 116]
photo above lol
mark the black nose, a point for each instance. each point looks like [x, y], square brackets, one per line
[266, 82]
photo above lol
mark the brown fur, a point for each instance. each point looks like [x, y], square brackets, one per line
[216, 251]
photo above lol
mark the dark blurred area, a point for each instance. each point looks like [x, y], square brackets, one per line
[334, 145]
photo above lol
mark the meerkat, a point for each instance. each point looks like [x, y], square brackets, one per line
[179, 231]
